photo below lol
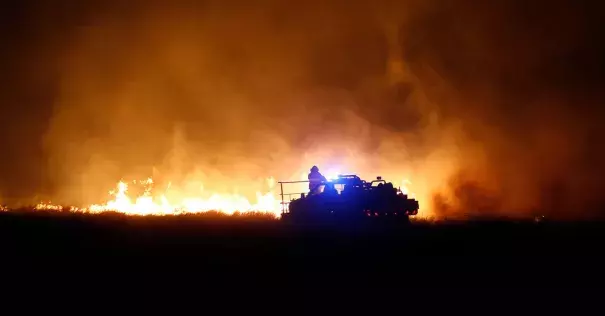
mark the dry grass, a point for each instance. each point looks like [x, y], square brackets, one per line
[209, 215]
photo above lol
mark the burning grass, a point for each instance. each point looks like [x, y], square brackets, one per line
[212, 215]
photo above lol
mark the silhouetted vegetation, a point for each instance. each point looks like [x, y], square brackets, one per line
[214, 247]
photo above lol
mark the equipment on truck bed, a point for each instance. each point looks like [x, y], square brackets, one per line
[346, 198]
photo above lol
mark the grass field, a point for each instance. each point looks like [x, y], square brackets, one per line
[256, 249]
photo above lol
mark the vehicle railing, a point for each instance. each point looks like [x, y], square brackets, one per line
[282, 194]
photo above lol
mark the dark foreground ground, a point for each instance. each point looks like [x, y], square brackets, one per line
[233, 254]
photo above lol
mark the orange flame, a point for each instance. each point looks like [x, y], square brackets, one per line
[149, 204]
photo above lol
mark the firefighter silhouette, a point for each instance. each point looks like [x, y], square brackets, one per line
[315, 179]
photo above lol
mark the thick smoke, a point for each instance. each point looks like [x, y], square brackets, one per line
[488, 108]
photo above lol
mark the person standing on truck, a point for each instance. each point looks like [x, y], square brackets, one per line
[315, 179]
